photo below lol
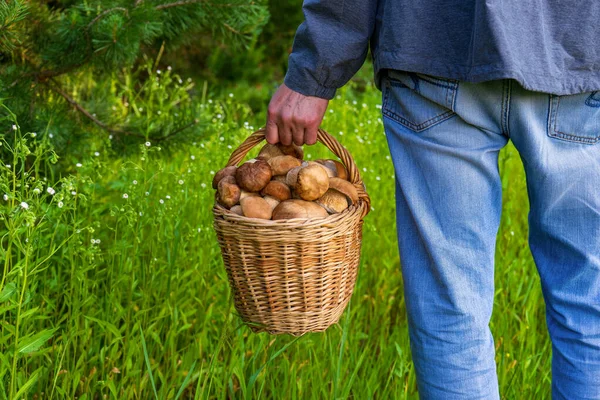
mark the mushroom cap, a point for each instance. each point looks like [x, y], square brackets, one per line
[291, 150]
[256, 207]
[330, 167]
[292, 176]
[342, 172]
[229, 192]
[280, 165]
[244, 194]
[298, 209]
[313, 182]
[278, 190]
[253, 177]
[227, 171]
[333, 201]
[237, 210]
[280, 178]
[344, 187]
[272, 201]
[269, 151]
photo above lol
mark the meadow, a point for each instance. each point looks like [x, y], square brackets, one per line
[112, 282]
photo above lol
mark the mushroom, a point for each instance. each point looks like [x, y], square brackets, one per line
[280, 165]
[278, 190]
[229, 192]
[253, 177]
[256, 207]
[291, 150]
[237, 210]
[312, 182]
[245, 194]
[227, 171]
[269, 151]
[280, 178]
[298, 209]
[346, 188]
[292, 176]
[329, 166]
[342, 172]
[272, 201]
[333, 201]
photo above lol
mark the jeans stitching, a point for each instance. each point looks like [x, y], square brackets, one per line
[554, 132]
[423, 125]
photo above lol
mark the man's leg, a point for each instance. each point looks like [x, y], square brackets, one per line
[559, 142]
[448, 199]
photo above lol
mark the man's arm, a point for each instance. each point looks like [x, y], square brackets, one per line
[329, 48]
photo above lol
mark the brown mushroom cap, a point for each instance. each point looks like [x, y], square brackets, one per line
[342, 172]
[227, 171]
[237, 210]
[245, 194]
[330, 167]
[272, 201]
[333, 201]
[280, 165]
[280, 178]
[256, 207]
[344, 187]
[313, 182]
[292, 176]
[278, 190]
[291, 150]
[298, 209]
[269, 151]
[253, 176]
[229, 192]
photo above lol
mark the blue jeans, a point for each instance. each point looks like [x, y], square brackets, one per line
[445, 137]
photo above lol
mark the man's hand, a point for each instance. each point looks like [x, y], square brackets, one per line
[294, 117]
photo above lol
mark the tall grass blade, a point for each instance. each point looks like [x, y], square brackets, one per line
[186, 380]
[148, 363]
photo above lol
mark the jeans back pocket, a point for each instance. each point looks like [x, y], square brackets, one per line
[418, 101]
[575, 118]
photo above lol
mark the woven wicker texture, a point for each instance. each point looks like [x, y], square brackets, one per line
[292, 276]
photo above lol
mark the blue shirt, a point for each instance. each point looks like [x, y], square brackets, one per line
[550, 46]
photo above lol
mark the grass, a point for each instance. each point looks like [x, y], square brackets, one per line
[113, 286]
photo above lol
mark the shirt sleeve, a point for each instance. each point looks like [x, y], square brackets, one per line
[330, 45]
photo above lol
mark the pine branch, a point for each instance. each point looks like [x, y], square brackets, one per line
[186, 2]
[103, 13]
[54, 87]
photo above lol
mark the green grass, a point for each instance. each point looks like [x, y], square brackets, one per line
[127, 298]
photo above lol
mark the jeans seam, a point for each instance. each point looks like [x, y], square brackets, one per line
[507, 89]
[423, 125]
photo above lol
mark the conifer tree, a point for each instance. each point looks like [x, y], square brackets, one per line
[60, 59]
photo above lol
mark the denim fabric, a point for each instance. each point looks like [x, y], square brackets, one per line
[444, 138]
[548, 46]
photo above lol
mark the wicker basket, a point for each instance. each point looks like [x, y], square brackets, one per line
[292, 276]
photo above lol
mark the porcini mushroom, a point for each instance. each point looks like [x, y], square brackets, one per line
[278, 190]
[342, 172]
[344, 187]
[256, 207]
[253, 177]
[229, 192]
[312, 182]
[329, 167]
[290, 209]
[272, 201]
[291, 150]
[227, 171]
[280, 165]
[237, 210]
[269, 151]
[333, 201]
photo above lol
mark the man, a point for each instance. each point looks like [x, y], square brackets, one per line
[459, 79]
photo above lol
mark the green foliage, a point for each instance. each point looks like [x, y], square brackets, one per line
[115, 286]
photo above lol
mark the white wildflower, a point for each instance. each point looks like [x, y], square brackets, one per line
[14, 127]
[378, 178]
[33, 134]
[73, 193]
[203, 185]
[161, 201]
[60, 204]
[230, 94]
[193, 157]
[168, 197]
[8, 165]
[158, 71]
[24, 205]
[134, 182]
[110, 137]
[148, 144]
[219, 116]
[180, 182]
[5, 197]
[50, 190]
[78, 165]
[97, 154]
[140, 109]
[36, 191]
[125, 196]
[141, 214]
[169, 68]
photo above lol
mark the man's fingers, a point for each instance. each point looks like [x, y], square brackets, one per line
[310, 135]
[298, 135]
[272, 134]
[285, 133]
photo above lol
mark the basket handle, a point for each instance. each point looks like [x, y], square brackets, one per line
[326, 139]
